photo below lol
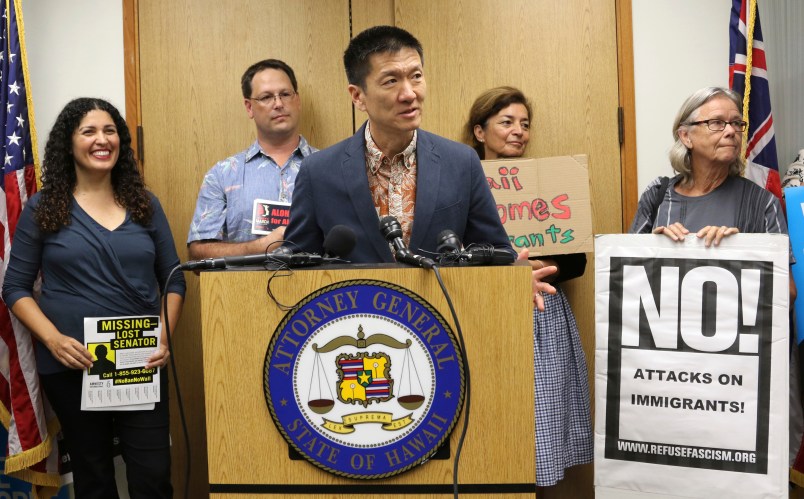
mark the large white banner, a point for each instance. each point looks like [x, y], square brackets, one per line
[691, 367]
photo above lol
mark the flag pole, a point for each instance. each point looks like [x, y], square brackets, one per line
[750, 20]
[28, 95]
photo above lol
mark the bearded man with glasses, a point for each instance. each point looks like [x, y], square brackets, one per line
[236, 188]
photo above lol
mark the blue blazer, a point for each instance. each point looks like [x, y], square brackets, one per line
[451, 193]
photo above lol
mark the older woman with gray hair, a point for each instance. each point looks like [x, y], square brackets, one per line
[708, 197]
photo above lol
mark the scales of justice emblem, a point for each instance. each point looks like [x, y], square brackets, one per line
[364, 377]
[364, 380]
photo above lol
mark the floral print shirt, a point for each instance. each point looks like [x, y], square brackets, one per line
[392, 182]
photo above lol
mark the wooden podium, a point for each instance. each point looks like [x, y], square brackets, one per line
[248, 457]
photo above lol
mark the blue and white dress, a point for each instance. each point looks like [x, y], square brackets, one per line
[564, 435]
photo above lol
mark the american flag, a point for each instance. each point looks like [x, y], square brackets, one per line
[759, 140]
[31, 451]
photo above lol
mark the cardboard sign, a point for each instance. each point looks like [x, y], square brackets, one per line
[691, 392]
[543, 203]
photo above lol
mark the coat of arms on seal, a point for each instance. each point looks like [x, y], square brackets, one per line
[364, 379]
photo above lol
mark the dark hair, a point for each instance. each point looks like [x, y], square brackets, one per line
[58, 169]
[245, 80]
[378, 39]
[486, 105]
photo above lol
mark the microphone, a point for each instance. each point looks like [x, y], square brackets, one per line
[487, 255]
[448, 242]
[392, 232]
[449, 246]
[280, 257]
[339, 243]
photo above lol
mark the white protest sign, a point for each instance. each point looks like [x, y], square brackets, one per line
[691, 367]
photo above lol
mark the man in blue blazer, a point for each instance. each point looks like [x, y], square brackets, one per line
[390, 166]
[451, 193]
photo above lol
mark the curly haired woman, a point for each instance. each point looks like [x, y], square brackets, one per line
[104, 249]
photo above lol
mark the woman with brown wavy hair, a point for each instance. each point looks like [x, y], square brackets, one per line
[104, 249]
[499, 127]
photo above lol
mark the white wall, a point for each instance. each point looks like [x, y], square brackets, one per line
[679, 47]
[784, 43]
[75, 49]
[683, 45]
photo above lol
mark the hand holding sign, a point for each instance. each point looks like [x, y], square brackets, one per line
[539, 274]
[710, 233]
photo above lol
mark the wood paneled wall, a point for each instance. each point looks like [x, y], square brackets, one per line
[563, 55]
[192, 55]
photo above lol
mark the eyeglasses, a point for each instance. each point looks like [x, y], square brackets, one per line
[268, 99]
[720, 125]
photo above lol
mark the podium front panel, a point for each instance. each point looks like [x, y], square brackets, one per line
[248, 457]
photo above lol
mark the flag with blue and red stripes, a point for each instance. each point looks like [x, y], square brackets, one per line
[31, 454]
[760, 142]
